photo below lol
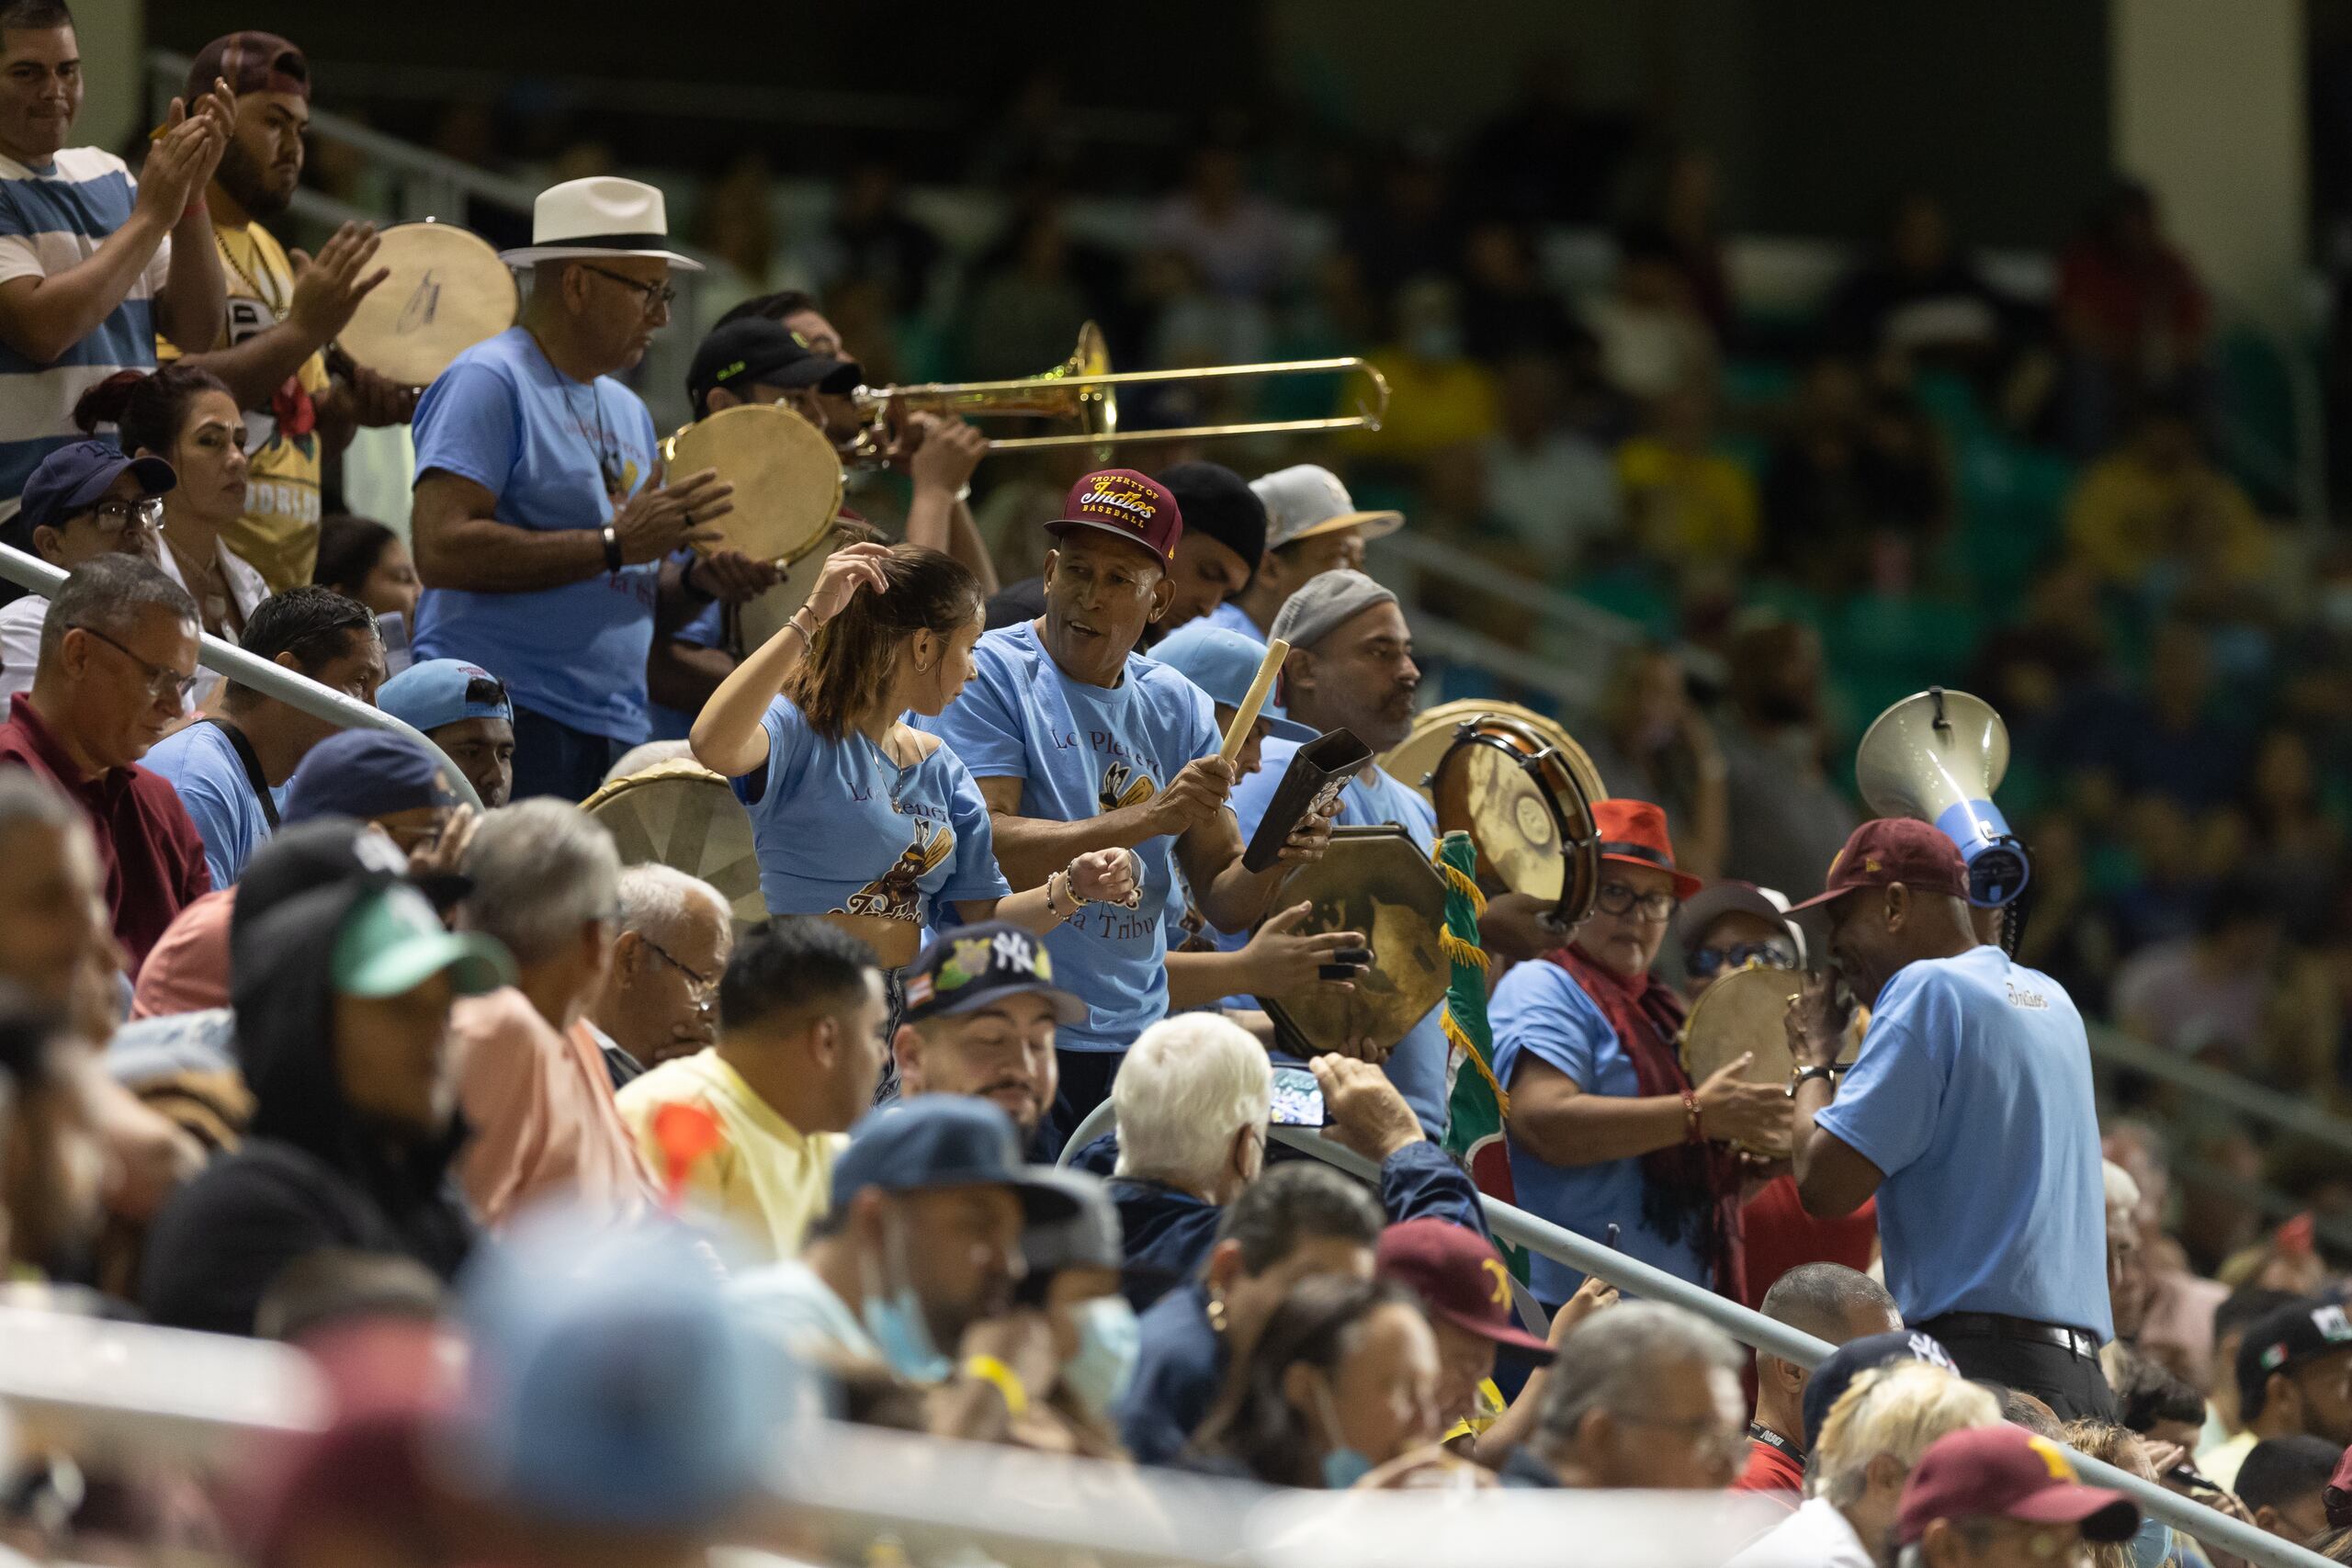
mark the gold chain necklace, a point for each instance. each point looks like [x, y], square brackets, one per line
[267, 296]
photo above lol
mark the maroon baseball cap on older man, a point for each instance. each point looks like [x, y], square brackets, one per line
[1891, 850]
[2008, 1473]
[1134, 506]
[1459, 1277]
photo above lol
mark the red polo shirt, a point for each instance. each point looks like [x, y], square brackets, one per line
[150, 851]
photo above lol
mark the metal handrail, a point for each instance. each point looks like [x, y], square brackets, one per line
[1634, 1277]
[290, 687]
[2229, 1089]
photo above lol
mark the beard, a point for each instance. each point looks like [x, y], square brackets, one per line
[247, 181]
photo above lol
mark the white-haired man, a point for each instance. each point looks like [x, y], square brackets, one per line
[660, 997]
[531, 1081]
[1885, 1419]
[1191, 1121]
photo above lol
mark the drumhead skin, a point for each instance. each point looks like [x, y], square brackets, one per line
[1516, 793]
[681, 814]
[448, 291]
[786, 477]
[1745, 1011]
[1415, 756]
[1380, 882]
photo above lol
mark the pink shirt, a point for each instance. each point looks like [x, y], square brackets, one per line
[188, 969]
[540, 1107]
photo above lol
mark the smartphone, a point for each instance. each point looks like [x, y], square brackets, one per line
[1298, 1100]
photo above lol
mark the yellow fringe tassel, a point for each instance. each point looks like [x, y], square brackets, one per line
[1461, 1043]
[1462, 951]
[1460, 882]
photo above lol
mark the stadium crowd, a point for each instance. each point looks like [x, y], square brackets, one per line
[966, 1126]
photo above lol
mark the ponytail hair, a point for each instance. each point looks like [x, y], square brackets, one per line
[149, 409]
[854, 658]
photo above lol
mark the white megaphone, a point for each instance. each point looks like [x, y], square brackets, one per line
[1939, 757]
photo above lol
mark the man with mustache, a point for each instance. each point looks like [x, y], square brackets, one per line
[282, 311]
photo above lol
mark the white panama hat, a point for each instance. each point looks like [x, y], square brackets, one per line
[600, 216]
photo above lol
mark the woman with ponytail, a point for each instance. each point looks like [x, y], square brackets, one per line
[188, 418]
[858, 817]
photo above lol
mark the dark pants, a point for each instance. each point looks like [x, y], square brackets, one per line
[555, 758]
[1085, 1083]
[2069, 1382]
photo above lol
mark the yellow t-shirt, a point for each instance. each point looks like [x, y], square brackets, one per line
[279, 531]
[770, 1179]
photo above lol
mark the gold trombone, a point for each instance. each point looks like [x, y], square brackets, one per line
[1083, 390]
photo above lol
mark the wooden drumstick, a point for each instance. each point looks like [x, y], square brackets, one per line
[1246, 714]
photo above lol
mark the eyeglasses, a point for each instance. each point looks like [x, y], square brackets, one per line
[656, 296]
[1616, 898]
[116, 518]
[700, 987]
[1705, 961]
[163, 685]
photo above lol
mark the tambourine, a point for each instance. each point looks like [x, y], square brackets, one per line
[448, 291]
[1745, 1011]
[1378, 881]
[681, 814]
[788, 481]
[1517, 796]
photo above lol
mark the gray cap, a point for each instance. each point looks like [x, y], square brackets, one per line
[1315, 611]
[1090, 1238]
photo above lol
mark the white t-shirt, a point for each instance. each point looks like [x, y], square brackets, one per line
[1815, 1535]
[20, 624]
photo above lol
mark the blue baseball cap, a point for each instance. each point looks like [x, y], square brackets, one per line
[608, 1384]
[445, 691]
[1842, 1366]
[938, 1141]
[1223, 662]
[77, 475]
[365, 773]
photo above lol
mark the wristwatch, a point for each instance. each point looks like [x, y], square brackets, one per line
[612, 548]
[1827, 1070]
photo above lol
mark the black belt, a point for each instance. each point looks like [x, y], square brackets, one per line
[1998, 1325]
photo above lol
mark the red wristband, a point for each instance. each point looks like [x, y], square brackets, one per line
[191, 210]
[1690, 1133]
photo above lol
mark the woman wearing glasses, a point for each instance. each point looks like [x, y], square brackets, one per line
[1606, 1131]
[87, 500]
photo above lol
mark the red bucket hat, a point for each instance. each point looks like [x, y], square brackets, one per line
[1634, 831]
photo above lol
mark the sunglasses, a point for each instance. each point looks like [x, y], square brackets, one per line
[1706, 960]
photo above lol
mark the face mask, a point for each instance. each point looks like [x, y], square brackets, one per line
[1343, 1466]
[1108, 1342]
[894, 1317]
[2153, 1544]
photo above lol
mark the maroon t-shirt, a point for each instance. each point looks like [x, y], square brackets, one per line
[149, 849]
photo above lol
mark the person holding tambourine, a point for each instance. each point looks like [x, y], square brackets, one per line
[857, 816]
[1605, 1128]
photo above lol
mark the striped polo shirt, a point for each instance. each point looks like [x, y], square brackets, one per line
[53, 219]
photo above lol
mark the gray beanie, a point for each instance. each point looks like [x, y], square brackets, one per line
[1315, 611]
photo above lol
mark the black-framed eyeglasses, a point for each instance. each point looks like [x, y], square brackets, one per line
[1706, 960]
[1616, 898]
[116, 518]
[656, 296]
[163, 684]
[701, 987]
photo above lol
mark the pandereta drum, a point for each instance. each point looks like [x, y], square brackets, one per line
[681, 815]
[787, 493]
[1743, 1013]
[448, 291]
[1522, 788]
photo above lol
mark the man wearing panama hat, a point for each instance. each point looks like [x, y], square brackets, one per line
[545, 532]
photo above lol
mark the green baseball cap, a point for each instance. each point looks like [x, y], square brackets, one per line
[392, 942]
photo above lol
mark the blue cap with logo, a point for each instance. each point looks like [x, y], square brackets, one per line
[365, 773]
[1852, 1359]
[77, 476]
[935, 1141]
[965, 967]
[445, 691]
[1223, 662]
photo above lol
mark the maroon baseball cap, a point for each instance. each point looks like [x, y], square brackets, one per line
[1134, 506]
[2008, 1473]
[1459, 1277]
[1891, 850]
[251, 62]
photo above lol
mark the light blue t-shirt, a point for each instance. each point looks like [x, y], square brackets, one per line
[1081, 750]
[1539, 1010]
[504, 418]
[1973, 1096]
[202, 764]
[1234, 618]
[839, 828]
[1417, 1065]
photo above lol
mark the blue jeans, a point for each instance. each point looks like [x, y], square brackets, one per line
[555, 758]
